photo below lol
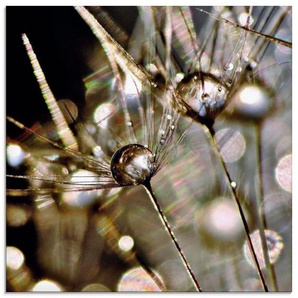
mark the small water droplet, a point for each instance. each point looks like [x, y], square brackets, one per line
[172, 127]
[234, 184]
[162, 141]
[129, 123]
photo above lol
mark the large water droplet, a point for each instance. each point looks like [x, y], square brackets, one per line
[203, 94]
[132, 165]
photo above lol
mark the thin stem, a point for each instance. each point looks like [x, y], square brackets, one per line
[164, 220]
[232, 186]
[260, 208]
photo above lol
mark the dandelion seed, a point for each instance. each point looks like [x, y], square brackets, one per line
[131, 142]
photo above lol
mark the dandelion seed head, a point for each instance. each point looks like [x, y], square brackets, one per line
[132, 165]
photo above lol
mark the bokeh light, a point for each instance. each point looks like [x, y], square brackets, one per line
[95, 287]
[283, 173]
[274, 244]
[15, 155]
[17, 215]
[231, 143]
[14, 258]
[102, 114]
[46, 285]
[137, 279]
[126, 243]
[221, 220]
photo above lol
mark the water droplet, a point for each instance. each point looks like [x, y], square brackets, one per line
[234, 184]
[162, 141]
[172, 127]
[129, 123]
[132, 165]
[169, 117]
[274, 244]
[203, 96]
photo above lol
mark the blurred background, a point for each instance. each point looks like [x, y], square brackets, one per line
[108, 240]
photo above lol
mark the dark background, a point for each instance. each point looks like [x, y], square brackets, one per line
[62, 42]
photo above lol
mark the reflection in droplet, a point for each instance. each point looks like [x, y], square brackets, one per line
[46, 285]
[126, 243]
[137, 279]
[274, 244]
[17, 215]
[15, 155]
[102, 113]
[95, 288]
[14, 258]
[283, 173]
[231, 143]
[81, 179]
[221, 219]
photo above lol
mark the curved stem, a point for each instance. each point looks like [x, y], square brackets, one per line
[232, 186]
[164, 220]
